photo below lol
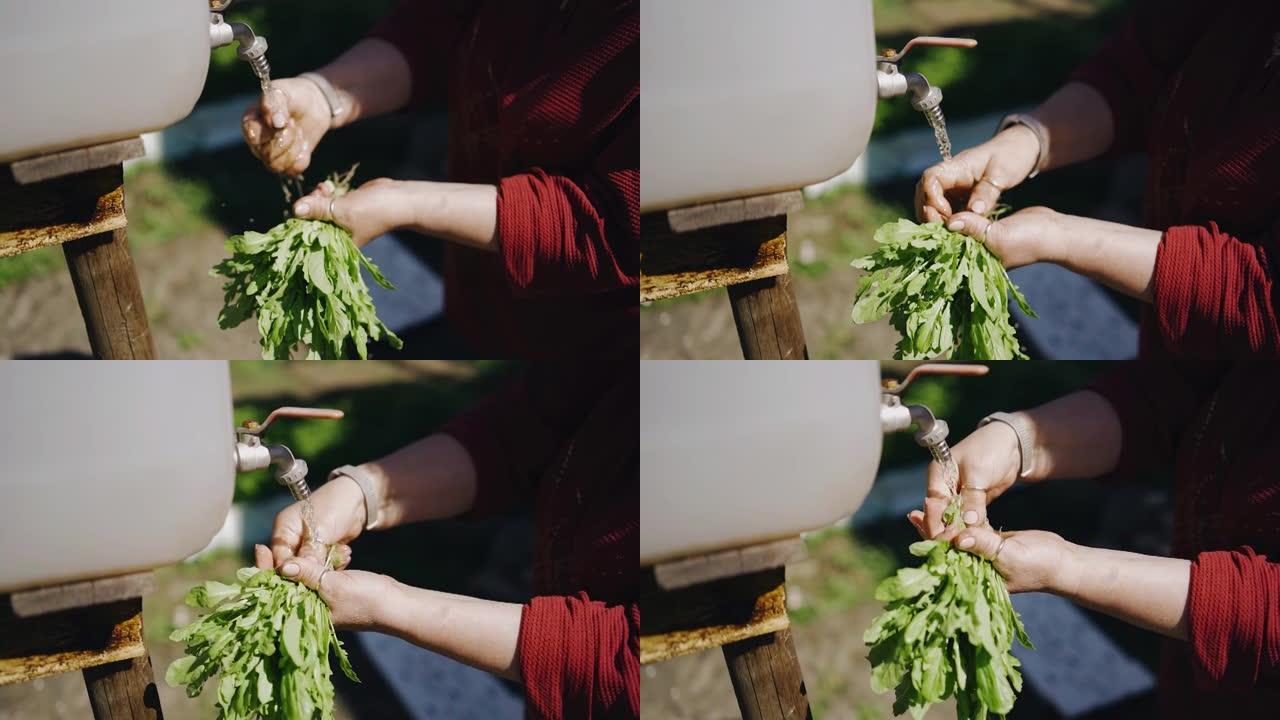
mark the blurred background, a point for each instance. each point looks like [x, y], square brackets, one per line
[199, 184]
[387, 405]
[1086, 666]
[1026, 49]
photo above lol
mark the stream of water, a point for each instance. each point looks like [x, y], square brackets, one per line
[939, 125]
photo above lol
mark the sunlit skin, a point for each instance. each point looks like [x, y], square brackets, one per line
[284, 127]
[1078, 121]
[430, 479]
[1072, 437]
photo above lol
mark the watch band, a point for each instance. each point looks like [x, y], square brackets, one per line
[326, 88]
[372, 498]
[1041, 133]
[1020, 429]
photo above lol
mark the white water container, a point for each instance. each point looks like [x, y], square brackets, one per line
[76, 73]
[747, 97]
[736, 453]
[110, 467]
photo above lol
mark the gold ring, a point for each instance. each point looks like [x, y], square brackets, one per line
[332, 200]
[992, 183]
[999, 548]
[325, 571]
[974, 488]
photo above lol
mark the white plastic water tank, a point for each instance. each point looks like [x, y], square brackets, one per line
[110, 467]
[76, 73]
[746, 97]
[736, 453]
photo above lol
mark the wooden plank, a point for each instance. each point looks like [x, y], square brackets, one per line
[123, 690]
[673, 264]
[41, 601]
[767, 678]
[704, 568]
[74, 639]
[768, 319]
[106, 284]
[61, 210]
[78, 160]
[738, 210]
[709, 615]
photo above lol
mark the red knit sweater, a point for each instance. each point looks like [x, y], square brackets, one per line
[1197, 85]
[566, 437]
[543, 100]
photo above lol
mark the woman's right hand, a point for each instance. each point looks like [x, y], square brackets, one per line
[284, 126]
[338, 516]
[988, 461]
[974, 179]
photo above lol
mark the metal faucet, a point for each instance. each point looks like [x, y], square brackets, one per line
[252, 454]
[891, 82]
[931, 432]
[253, 48]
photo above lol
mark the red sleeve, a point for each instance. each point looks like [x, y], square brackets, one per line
[1233, 611]
[1215, 296]
[580, 658]
[426, 32]
[1134, 62]
[1154, 402]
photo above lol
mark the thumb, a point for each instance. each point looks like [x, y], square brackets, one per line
[306, 570]
[971, 224]
[980, 540]
[275, 107]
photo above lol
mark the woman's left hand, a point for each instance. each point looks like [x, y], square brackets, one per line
[1025, 237]
[368, 211]
[356, 598]
[1030, 560]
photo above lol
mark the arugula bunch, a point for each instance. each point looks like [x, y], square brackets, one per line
[268, 639]
[947, 630]
[945, 294]
[302, 281]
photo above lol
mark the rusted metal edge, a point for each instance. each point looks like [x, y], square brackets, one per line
[739, 561]
[42, 601]
[770, 261]
[69, 162]
[770, 615]
[698, 217]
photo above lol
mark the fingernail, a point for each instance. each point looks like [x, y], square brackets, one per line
[279, 120]
[979, 206]
[290, 569]
[302, 209]
[966, 543]
[955, 224]
[970, 517]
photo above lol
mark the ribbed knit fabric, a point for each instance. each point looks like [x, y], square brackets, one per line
[565, 436]
[543, 102]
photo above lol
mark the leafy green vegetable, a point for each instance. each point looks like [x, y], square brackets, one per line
[268, 638]
[302, 281]
[944, 292]
[947, 631]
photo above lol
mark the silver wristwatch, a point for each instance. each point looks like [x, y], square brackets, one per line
[1024, 437]
[326, 89]
[372, 497]
[1041, 133]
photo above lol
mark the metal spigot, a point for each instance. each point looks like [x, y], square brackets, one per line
[252, 454]
[931, 432]
[891, 82]
[253, 48]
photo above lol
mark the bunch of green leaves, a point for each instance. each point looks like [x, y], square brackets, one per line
[947, 631]
[302, 281]
[268, 640]
[945, 293]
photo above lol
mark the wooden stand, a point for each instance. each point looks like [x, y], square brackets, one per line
[76, 199]
[740, 245]
[746, 616]
[93, 626]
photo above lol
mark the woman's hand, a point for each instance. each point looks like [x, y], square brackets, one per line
[1025, 237]
[368, 211]
[357, 599]
[1029, 560]
[338, 516]
[988, 461]
[285, 125]
[464, 213]
[974, 179]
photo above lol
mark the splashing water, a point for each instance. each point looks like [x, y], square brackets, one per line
[942, 455]
[939, 125]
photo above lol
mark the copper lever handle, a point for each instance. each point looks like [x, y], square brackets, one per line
[892, 387]
[892, 56]
[253, 427]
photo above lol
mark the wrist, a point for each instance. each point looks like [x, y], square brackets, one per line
[1064, 578]
[1020, 145]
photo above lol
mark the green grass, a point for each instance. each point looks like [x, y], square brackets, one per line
[850, 572]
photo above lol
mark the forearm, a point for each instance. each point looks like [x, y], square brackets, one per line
[432, 478]
[1075, 436]
[481, 633]
[1147, 591]
[463, 213]
[1079, 124]
[371, 78]
[1122, 257]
